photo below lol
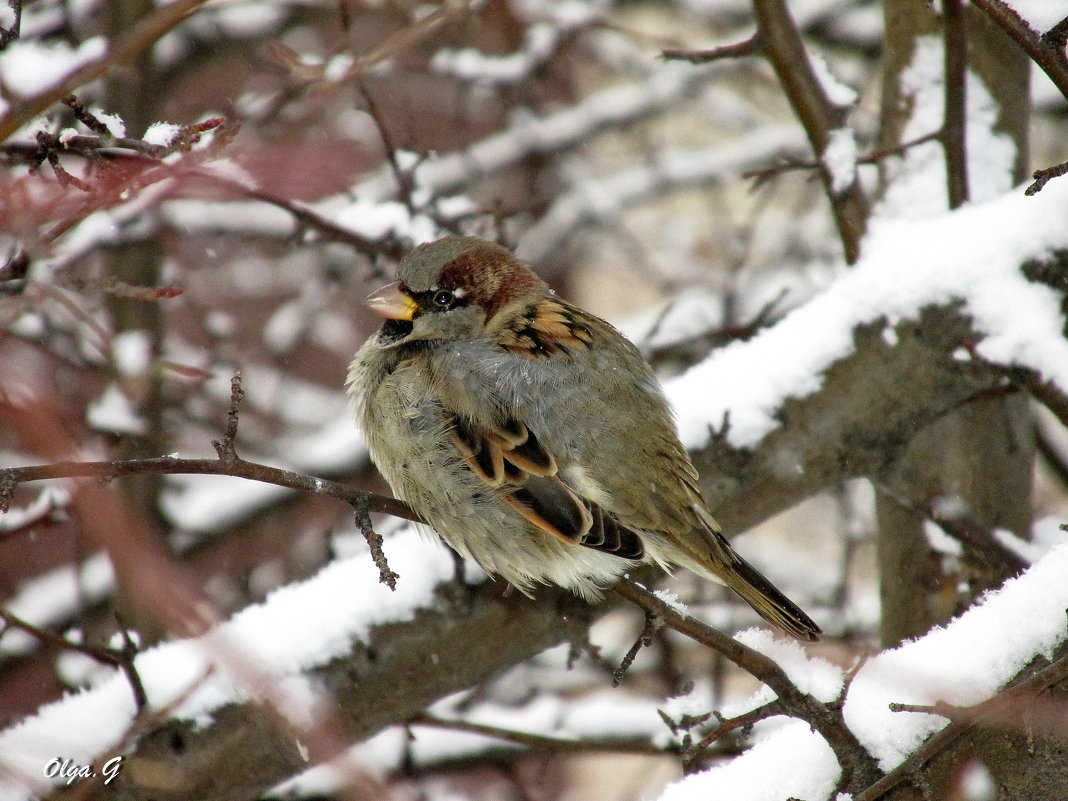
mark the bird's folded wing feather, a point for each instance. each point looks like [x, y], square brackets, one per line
[510, 458]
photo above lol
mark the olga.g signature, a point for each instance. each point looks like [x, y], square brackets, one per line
[64, 768]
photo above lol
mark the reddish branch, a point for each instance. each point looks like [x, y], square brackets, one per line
[145, 33]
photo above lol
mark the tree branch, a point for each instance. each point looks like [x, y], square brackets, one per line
[858, 766]
[746, 47]
[781, 42]
[542, 742]
[139, 38]
[1052, 61]
[238, 468]
[955, 126]
[1023, 691]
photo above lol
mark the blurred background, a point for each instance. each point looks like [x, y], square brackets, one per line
[311, 144]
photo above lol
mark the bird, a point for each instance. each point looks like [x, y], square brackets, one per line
[531, 435]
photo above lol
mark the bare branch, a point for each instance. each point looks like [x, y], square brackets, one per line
[238, 468]
[955, 126]
[542, 742]
[781, 43]
[747, 47]
[871, 157]
[1044, 176]
[1041, 50]
[374, 542]
[858, 766]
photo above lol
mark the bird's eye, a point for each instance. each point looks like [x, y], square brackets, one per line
[443, 298]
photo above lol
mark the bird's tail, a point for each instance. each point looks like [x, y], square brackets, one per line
[768, 600]
[722, 564]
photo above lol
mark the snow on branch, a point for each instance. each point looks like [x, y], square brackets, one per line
[297, 628]
[606, 110]
[963, 257]
[601, 199]
[967, 661]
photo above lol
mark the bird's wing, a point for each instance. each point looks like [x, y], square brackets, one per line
[511, 459]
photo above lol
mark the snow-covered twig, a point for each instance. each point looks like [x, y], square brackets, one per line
[141, 36]
[1042, 51]
[858, 767]
[1006, 703]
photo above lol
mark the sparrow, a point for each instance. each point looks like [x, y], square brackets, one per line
[531, 435]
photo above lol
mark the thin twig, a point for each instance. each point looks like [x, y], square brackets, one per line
[627, 745]
[955, 122]
[127, 654]
[226, 447]
[173, 465]
[858, 767]
[121, 658]
[1044, 176]
[781, 43]
[1045, 392]
[871, 157]
[374, 543]
[405, 183]
[652, 625]
[966, 530]
[747, 47]
[139, 38]
[1051, 456]
[744, 721]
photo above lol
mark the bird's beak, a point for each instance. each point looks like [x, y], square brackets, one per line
[392, 302]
